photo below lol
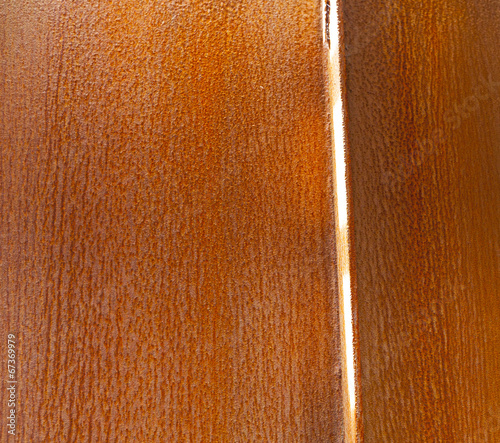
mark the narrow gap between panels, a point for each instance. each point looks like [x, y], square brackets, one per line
[331, 38]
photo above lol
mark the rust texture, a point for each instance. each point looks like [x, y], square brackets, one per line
[166, 231]
[422, 91]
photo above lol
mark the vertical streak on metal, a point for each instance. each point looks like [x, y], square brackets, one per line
[332, 39]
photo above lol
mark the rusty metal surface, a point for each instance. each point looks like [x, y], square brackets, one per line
[422, 95]
[166, 222]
